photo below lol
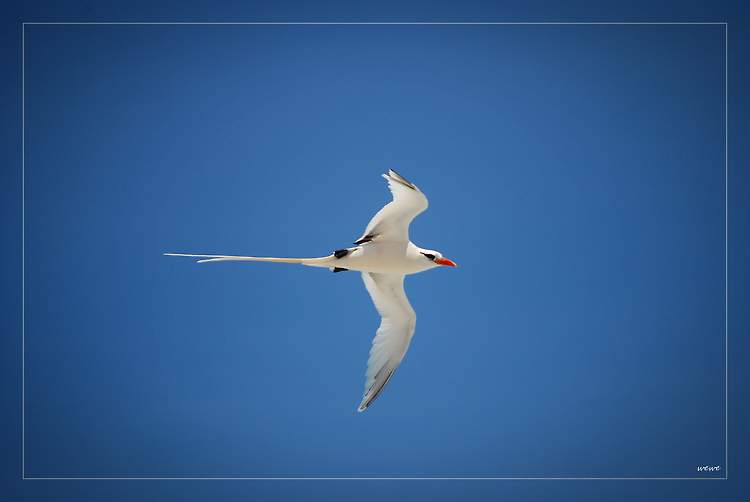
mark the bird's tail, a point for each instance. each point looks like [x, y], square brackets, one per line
[324, 261]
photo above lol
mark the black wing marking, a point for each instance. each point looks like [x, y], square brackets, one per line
[366, 238]
[400, 179]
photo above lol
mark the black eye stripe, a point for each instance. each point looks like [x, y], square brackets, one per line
[430, 256]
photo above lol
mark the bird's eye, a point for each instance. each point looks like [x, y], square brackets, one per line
[429, 256]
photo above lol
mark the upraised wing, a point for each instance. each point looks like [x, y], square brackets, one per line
[392, 339]
[392, 222]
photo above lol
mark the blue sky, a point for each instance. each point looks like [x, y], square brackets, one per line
[575, 173]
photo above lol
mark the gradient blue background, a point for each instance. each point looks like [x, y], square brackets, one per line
[575, 173]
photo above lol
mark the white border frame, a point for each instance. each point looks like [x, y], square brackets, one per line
[726, 259]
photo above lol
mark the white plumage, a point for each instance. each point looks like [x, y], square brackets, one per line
[385, 255]
[392, 222]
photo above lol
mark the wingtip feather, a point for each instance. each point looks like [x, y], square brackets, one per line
[397, 178]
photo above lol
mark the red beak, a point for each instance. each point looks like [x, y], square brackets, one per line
[446, 262]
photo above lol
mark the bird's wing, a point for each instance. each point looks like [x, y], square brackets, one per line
[391, 341]
[392, 222]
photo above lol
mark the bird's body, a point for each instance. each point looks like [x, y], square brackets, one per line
[385, 255]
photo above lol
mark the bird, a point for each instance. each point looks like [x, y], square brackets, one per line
[384, 255]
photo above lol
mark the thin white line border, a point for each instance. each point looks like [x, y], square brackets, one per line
[365, 23]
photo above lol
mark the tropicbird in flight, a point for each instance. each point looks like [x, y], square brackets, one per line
[385, 255]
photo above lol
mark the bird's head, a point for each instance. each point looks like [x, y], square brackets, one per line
[436, 257]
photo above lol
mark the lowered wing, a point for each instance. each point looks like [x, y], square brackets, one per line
[391, 341]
